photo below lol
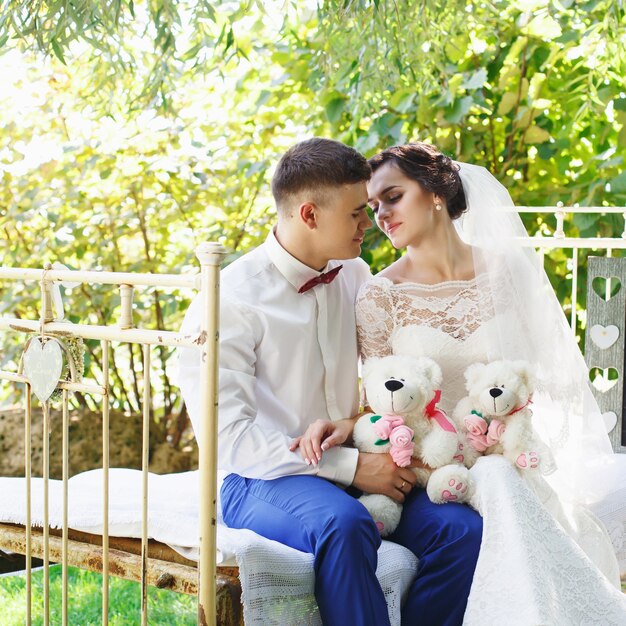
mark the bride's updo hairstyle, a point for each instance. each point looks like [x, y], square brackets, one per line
[434, 171]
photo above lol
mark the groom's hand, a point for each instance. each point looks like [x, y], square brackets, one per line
[377, 473]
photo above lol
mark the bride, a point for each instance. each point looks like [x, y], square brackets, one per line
[467, 291]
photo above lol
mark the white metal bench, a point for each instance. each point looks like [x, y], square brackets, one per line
[140, 560]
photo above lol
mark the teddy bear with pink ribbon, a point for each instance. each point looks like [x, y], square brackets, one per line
[495, 417]
[403, 393]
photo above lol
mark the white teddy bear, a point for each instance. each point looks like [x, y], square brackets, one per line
[403, 391]
[495, 418]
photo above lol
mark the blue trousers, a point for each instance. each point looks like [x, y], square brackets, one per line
[313, 515]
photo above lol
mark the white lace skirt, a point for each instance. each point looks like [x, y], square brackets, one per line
[531, 570]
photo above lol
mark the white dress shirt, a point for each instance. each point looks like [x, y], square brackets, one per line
[286, 359]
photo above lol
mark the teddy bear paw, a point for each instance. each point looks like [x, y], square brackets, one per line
[527, 460]
[459, 457]
[451, 483]
[457, 490]
[385, 511]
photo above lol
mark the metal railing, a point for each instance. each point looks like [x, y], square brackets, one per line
[558, 240]
[47, 329]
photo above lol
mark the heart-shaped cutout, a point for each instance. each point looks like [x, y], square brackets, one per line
[610, 420]
[43, 365]
[604, 336]
[606, 288]
[603, 379]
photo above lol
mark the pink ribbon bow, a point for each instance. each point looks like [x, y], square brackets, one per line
[437, 414]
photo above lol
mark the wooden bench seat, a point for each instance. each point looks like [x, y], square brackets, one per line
[166, 568]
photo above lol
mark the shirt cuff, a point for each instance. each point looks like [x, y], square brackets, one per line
[339, 465]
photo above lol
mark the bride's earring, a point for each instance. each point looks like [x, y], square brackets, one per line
[438, 206]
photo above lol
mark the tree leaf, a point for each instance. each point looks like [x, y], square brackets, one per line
[455, 113]
[618, 184]
[475, 80]
[334, 109]
[230, 39]
[536, 134]
[58, 52]
[509, 100]
[619, 104]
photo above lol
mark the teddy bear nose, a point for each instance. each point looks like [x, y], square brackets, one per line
[393, 385]
[495, 392]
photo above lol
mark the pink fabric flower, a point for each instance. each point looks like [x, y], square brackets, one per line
[475, 424]
[386, 424]
[402, 446]
[496, 430]
[402, 456]
[401, 436]
[478, 442]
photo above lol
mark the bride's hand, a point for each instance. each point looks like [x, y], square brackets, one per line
[320, 436]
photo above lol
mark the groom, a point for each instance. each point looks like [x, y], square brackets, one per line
[288, 356]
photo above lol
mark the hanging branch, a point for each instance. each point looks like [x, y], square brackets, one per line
[138, 397]
[242, 230]
[510, 139]
[157, 306]
[178, 426]
[492, 137]
[135, 378]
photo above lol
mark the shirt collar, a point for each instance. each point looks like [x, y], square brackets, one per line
[296, 272]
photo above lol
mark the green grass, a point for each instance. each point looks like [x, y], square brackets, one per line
[165, 608]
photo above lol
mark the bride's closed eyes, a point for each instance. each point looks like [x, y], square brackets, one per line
[390, 199]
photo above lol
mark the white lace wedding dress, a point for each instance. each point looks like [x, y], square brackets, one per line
[534, 565]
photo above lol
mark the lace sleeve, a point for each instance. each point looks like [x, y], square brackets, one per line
[374, 318]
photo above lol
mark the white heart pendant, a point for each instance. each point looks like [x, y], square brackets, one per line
[610, 420]
[43, 365]
[604, 336]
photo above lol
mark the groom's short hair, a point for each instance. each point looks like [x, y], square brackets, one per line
[316, 166]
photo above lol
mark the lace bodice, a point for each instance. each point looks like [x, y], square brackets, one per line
[448, 322]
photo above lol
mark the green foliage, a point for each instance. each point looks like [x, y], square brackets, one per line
[85, 601]
[532, 90]
[134, 193]
[147, 127]
[180, 34]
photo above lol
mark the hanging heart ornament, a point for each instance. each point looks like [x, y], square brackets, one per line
[43, 365]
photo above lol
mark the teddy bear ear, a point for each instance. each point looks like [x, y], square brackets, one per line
[431, 370]
[368, 366]
[472, 374]
[524, 371]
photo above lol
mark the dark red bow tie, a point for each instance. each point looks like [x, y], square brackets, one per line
[323, 279]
